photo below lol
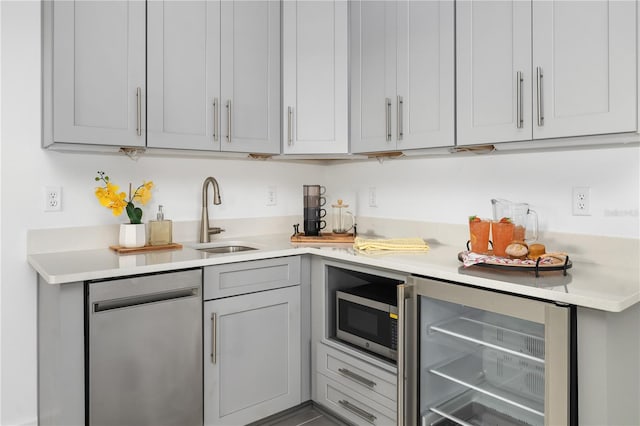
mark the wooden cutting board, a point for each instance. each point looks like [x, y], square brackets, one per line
[130, 250]
[324, 237]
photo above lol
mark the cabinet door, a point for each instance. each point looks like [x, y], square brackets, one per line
[586, 52]
[373, 75]
[425, 81]
[99, 72]
[250, 76]
[183, 74]
[314, 74]
[493, 51]
[251, 356]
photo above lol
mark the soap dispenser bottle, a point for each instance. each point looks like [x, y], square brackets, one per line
[160, 230]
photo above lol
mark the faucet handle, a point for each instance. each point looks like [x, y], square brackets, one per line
[215, 230]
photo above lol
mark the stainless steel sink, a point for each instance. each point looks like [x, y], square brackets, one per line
[225, 249]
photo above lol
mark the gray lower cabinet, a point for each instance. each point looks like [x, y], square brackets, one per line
[252, 342]
[351, 405]
[354, 384]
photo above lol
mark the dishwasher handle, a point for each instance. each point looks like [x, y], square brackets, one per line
[144, 299]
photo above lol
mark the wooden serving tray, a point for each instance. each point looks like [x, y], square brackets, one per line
[323, 237]
[130, 250]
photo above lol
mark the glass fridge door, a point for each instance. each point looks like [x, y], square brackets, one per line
[487, 358]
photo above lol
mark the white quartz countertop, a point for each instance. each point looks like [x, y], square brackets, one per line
[586, 284]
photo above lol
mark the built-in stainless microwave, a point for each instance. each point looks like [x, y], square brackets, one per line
[367, 316]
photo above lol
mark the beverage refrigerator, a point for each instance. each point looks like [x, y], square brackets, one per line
[469, 356]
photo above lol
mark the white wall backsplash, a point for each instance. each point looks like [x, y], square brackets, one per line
[449, 189]
[443, 190]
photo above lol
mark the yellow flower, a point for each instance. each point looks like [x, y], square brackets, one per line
[109, 197]
[143, 193]
[117, 204]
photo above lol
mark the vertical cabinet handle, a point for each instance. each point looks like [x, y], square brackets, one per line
[399, 114]
[540, 100]
[401, 354]
[215, 119]
[289, 125]
[519, 105]
[229, 121]
[387, 103]
[214, 345]
[358, 411]
[139, 111]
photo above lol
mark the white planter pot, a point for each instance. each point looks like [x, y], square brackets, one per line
[132, 235]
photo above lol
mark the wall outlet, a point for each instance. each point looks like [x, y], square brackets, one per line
[373, 197]
[52, 198]
[581, 199]
[272, 196]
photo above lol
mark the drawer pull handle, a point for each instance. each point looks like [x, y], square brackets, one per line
[357, 411]
[356, 377]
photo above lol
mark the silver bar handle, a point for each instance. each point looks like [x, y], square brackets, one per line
[289, 124]
[399, 114]
[401, 355]
[519, 114]
[358, 411]
[214, 337]
[387, 103]
[139, 111]
[215, 119]
[229, 120]
[145, 299]
[357, 378]
[540, 100]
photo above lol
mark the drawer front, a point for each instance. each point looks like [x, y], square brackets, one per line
[248, 277]
[370, 381]
[351, 405]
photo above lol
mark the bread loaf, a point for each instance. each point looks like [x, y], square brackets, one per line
[517, 250]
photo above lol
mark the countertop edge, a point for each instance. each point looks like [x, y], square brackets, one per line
[392, 264]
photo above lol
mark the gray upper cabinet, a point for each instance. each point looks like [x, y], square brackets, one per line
[183, 74]
[250, 76]
[402, 75]
[315, 74]
[491, 92]
[94, 72]
[585, 53]
[214, 75]
[212, 69]
[548, 69]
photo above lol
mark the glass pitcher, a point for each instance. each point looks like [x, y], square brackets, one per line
[342, 219]
[524, 219]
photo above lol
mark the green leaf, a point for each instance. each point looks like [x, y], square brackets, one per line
[134, 213]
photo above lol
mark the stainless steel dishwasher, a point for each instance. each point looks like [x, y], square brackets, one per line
[144, 350]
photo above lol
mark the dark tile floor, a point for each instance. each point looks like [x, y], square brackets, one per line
[307, 415]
